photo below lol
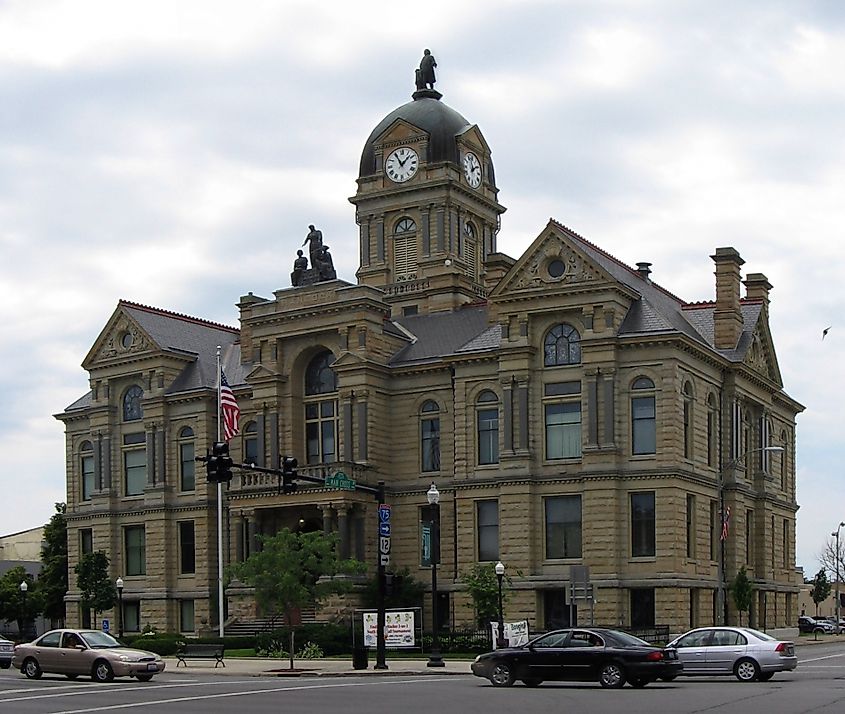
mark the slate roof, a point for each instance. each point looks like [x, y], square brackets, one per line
[443, 334]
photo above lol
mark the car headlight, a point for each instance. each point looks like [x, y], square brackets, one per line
[476, 659]
[125, 658]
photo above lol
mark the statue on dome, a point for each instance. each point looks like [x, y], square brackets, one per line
[314, 239]
[426, 76]
[300, 265]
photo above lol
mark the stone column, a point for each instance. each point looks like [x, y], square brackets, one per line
[327, 510]
[609, 389]
[524, 422]
[343, 529]
[507, 414]
[592, 407]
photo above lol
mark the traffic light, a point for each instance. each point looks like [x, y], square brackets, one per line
[218, 463]
[289, 464]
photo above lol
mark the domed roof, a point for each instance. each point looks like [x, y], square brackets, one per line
[442, 123]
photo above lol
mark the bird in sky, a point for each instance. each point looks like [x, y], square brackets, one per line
[825, 331]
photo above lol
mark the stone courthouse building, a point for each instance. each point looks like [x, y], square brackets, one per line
[570, 411]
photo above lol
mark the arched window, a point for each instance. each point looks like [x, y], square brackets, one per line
[487, 424]
[132, 410]
[688, 422]
[405, 250]
[562, 346]
[469, 248]
[86, 462]
[187, 465]
[430, 436]
[251, 443]
[643, 417]
[320, 403]
[712, 428]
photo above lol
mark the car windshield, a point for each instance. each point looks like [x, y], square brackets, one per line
[623, 639]
[99, 640]
[759, 635]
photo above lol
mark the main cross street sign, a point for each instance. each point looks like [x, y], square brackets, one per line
[340, 480]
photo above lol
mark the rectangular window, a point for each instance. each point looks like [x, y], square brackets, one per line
[785, 536]
[135, 543]
[86, 541]
[642, 607]
[714, 530]
[187, 548]
[430, 445]
[186, 615]
[563, 430]
[563, 527]
[749, 537]
[642, 524]
[131, 616]
[135, 471]
[187, 467]
[488, 436]
[690, 525]
[643, 425]
[487, 513]
[87, 477]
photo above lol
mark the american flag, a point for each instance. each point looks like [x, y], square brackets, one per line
[229, 409]
[726, 519]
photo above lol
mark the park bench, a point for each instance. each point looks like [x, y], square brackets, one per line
[197, 650]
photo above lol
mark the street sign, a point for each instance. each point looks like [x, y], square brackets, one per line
[340, 480]
[384, 534]
[105, 625]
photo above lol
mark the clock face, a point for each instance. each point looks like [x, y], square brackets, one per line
[402, 164]
[472, 169]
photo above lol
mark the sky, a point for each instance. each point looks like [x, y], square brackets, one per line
[174, 153]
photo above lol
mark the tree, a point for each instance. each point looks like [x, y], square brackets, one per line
[402, 591]
[742, 590]
[97, 590]
[483, 587]
[829, 557]
[293, 570]
[53, 581]
[15, 605]
[821, 589]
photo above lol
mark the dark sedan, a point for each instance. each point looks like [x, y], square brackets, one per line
[580, 655]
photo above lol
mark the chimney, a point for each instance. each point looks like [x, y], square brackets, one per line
[644, 270]
[727, 319]
[757, 287]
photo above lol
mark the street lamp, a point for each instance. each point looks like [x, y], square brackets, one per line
[433, 496]
[721, 600]
[500, 573]
[23, 588]
[836, 535]
[119, 585]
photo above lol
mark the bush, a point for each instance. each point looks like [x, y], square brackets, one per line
[330, 638]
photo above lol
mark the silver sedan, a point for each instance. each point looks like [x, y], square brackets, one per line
[748, 654]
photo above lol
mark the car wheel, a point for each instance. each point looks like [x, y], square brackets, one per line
[612, 676]
[143, 677]
[102, 671]
[746, 670]
[532, 682]
[765, 676]
[31, 668]
[501, 676]
[5, 665]
[638, 682]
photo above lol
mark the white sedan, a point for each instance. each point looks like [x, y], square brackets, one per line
[748, 654]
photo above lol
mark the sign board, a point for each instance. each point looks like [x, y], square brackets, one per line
[106, 625]
[384, 534]
[340, 480]
[398, 628]
[516, 633]
[425, 556]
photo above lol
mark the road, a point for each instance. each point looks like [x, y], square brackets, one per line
[818, 686]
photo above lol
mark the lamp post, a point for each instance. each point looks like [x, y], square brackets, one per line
[433, 496]
[836, 535]
[500, 574]
[119, 585]
[23, 588]
[721, 599]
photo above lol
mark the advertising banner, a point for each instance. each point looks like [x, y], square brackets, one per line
[516, 633]
[398, 628]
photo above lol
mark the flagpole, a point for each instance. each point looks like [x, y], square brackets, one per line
[219, 505]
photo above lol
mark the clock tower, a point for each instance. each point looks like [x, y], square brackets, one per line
[427, 207]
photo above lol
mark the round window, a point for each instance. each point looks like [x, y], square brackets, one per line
[126, 340]
[556, 268]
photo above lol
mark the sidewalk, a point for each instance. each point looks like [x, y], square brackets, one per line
[263, 667]
[339, 667]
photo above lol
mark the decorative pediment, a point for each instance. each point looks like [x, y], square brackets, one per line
[760, 355]
[472, 136]
[401, 132]
[122, 338]
[261, 374]
[551, 261]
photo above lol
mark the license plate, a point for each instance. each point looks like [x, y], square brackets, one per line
[152, 668]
